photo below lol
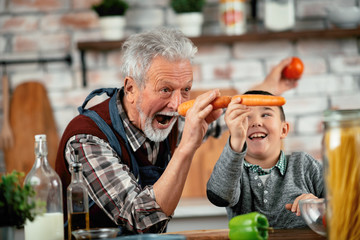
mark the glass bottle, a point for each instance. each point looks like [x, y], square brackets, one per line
[279, 15]
[341, 156]
[77, 200]
[49, 221]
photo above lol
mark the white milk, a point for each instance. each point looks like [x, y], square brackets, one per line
[279, 15]
[49, 226]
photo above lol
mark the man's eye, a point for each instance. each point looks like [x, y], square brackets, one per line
[165, 90]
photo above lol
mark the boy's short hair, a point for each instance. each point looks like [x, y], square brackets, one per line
[261, 92]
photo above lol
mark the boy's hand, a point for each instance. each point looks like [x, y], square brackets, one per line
[295, 207]
[237, 122]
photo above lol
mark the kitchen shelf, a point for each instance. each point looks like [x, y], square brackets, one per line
[101, 45]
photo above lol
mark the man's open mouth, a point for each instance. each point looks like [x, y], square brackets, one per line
[164, 119]
[257, 136]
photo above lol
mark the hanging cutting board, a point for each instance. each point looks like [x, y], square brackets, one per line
[30, 114]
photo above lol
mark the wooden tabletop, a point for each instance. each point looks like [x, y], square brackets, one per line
[276, 234]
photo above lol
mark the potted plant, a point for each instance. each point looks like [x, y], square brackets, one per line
[111, 18]
[189, 16]
[15, 204]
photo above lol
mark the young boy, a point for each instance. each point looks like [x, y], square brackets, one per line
[253, 174]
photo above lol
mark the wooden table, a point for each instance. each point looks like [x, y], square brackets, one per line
[276, 234]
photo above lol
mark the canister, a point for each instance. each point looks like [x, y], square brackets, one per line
[232, 14]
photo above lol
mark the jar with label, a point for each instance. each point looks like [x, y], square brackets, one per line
[341, 156]
[279, 15]
[232, 16]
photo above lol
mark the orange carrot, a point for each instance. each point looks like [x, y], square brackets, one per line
[219, 102]
[248, 100]
[261, 100]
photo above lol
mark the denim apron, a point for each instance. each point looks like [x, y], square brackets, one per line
[145, 175]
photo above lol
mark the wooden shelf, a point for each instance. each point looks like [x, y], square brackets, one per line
[252, 36]
[334, 33]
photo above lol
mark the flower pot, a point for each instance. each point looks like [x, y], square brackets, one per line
[7, 233]
[190, 23]
[112, 27]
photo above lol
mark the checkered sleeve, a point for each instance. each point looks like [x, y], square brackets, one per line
[114, 188]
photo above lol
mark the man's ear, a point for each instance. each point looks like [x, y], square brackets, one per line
[130, 89]
[285, 127]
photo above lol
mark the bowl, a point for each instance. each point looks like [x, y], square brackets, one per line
[313, 212]
[95, 233]
[344, 17]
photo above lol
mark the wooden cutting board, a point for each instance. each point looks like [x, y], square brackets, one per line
[30, 114]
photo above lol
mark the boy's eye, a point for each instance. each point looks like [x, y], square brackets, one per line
[266, 115]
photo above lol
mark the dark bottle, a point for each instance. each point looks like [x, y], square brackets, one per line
[77, 200]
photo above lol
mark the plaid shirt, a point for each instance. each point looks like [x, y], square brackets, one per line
[122, 198]
[281, 165]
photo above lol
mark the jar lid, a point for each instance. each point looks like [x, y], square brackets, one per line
[342, 115]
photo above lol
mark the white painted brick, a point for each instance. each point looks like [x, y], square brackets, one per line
[298, 105]
[311, 124]
[328, 84]
[349, 101]
[232, 70]
[18, 24]
[54, 80]
[313, 8]
[243, 85]
[311, 144]
[263, 49]
[319, 47]
[108, 77]
[2, 44]
[148, 3]
[291, 120]
[345, 64]
[247, 69]
[349, 46]
[212, 85]
[145, 17]
[63, 117]
[212, 53]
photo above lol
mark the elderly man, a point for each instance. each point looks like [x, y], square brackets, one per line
[135, 150]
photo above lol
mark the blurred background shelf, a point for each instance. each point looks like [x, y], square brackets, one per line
[101, 45]
[252, 36]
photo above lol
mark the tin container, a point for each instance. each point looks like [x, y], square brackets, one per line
[232, 16]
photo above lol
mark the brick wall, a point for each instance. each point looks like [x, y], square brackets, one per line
[52, 28]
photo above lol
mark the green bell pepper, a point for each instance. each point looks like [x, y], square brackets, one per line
[250, 226]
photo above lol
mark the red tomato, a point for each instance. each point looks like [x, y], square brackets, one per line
[294, 70]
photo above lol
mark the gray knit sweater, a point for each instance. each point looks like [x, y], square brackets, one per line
[234, 186]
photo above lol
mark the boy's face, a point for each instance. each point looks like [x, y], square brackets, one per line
[265, 131]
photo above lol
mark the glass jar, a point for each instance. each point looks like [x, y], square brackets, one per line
[49, 220]
[279, 15]
[232, 16]
[341, 153]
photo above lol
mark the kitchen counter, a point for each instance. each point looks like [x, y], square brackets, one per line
[197, 213]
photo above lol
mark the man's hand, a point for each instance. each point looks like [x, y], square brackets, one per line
[275, 83]
[295, 207]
